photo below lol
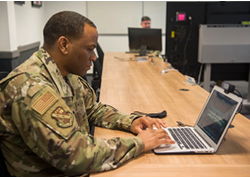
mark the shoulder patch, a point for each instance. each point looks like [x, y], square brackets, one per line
[53, 112]
[63, 118]
[33, 90]
[44, 102]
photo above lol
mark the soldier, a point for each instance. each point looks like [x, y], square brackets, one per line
[145, 22]
[47, 109]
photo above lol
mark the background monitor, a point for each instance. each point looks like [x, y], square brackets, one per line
[151, 38]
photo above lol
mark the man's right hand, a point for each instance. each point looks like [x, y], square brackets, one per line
[153, 138]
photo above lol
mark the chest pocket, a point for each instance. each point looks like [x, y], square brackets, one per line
[49, 108]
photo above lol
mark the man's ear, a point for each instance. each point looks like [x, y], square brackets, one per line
[63, 44]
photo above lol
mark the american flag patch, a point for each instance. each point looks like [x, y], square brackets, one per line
[44, 102]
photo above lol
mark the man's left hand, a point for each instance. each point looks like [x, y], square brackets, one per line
[140, 124]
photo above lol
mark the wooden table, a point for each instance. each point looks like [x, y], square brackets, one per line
[132, 86]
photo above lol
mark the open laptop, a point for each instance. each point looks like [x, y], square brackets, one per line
[209, 129]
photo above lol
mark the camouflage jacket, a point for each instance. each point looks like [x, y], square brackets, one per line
[45, 122]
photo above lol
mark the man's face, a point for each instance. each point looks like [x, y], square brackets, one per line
[82, 52]
[146, 24]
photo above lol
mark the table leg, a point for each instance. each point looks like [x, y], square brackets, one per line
[207, 77]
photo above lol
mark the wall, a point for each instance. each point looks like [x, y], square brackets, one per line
[29, 24]
[52, 7]
[29, 21]
[7, 27]
[118, 16]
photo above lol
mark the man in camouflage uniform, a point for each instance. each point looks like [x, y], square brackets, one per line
[47, 110]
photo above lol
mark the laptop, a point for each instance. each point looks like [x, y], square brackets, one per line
[210, 128]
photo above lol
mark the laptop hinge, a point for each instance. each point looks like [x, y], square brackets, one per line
[202, 137]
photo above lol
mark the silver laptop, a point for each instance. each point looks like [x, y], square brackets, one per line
[210, 128]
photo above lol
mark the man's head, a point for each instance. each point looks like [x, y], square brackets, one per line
[145, 22]
[70, 39]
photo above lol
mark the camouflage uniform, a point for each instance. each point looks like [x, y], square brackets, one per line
[45, 123]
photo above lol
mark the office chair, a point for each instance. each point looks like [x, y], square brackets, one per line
[3, 169]
[100, 53]
[3, 74]
[97, 78]
[97, 72]
[100, 58]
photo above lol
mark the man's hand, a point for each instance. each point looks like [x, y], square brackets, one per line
[153, 138]
[140, 124]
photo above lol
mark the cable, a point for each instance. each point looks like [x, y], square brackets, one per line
[127, 59]
[185, 47]
[173, 52]
[182, 125]
[238, 93]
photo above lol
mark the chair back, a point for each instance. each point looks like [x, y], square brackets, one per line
[3, 74]
[100, 53]
[97, 72]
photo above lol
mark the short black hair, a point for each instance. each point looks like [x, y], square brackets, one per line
[66, 23]
[145, 18]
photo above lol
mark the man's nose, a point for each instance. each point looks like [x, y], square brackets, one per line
[93, 57]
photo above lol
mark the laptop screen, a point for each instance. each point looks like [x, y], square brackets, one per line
[216, 115]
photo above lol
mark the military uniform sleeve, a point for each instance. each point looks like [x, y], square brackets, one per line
[104, 115]
[50, 130]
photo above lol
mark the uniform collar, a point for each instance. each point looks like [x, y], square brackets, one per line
[63, 88]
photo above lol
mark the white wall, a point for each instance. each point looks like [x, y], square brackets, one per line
[29, 23]
[7, 27]
[4, 28]
[156, 10]
[114, 43]
[116, 17]
[31, 20]
[52, 7]
[111, 17]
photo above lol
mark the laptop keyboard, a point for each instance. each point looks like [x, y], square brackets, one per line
[186, 139]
